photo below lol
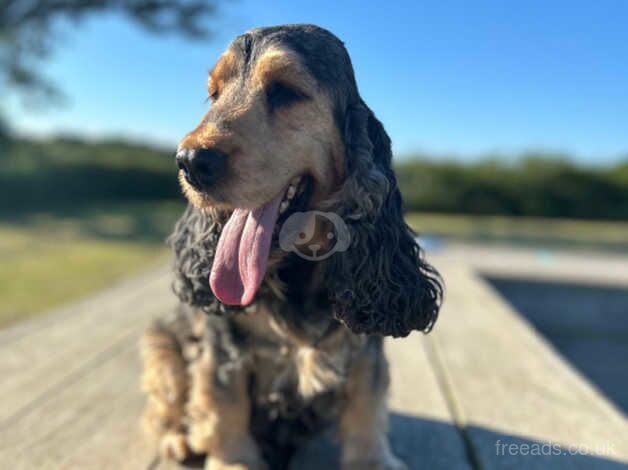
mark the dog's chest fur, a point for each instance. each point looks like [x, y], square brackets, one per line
[293, 362]
[295, 347]
[297, 371]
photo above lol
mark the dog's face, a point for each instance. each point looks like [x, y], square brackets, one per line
[270, 145]
[288, 137]
[270, 121]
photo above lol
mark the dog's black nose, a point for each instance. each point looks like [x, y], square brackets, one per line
[201, 167]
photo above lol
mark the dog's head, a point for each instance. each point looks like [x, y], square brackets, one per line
[289, 144]
[273, 118]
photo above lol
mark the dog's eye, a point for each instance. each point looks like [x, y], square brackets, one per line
[278, 94]
[213, 96]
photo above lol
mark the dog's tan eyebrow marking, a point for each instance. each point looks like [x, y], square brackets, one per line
[279, 64]
[225, 68]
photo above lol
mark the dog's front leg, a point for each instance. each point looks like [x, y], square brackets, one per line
[363, 424]
[219, 410]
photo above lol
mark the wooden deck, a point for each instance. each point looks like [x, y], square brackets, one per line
[482, 392]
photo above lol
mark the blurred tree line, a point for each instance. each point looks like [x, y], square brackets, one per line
[536, 184]
[64, 172]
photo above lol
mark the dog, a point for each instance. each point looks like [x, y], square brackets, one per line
[293, 261]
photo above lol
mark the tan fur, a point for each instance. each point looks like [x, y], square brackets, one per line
[207, 134]
[224, 69]
[313, 376]
[174, 446]
[313, 362]
[185, 413]
[219, 419]
[278, 64]
[264, 154]
[165, 382]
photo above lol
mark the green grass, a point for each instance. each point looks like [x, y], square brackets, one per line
[51, 259]
[544, 232]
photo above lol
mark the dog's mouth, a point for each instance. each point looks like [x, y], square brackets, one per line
[242, 252]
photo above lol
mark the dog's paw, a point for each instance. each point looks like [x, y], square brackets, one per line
[390, 462]
[173, 446]
[218, 464]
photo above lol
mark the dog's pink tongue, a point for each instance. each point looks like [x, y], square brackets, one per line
[242, 253]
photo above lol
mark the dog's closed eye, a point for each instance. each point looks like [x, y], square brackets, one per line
[279, 95]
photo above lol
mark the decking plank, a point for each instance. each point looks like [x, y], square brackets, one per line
[37, 361]
[75, 427]
[81, 306]
[593, 268]
[509, 384]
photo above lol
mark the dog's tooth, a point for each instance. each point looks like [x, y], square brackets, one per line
[291, 192]
[283, 206]
[252, 308]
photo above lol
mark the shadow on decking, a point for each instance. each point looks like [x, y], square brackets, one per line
[428, 444]
[587, 324]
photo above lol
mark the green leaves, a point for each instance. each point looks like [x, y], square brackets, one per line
[28, 33]
[533, 185]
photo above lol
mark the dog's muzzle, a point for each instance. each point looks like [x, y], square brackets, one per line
[201, 167]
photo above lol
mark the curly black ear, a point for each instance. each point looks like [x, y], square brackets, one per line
[194, 241]
[381, 284]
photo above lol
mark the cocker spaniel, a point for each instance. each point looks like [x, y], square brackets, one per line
[293, 261]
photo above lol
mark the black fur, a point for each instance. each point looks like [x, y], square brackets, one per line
[194, 243]
[381, 285]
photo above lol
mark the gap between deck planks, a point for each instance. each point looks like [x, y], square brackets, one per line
[507, 385]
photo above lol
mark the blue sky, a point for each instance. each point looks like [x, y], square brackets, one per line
[445, 77]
